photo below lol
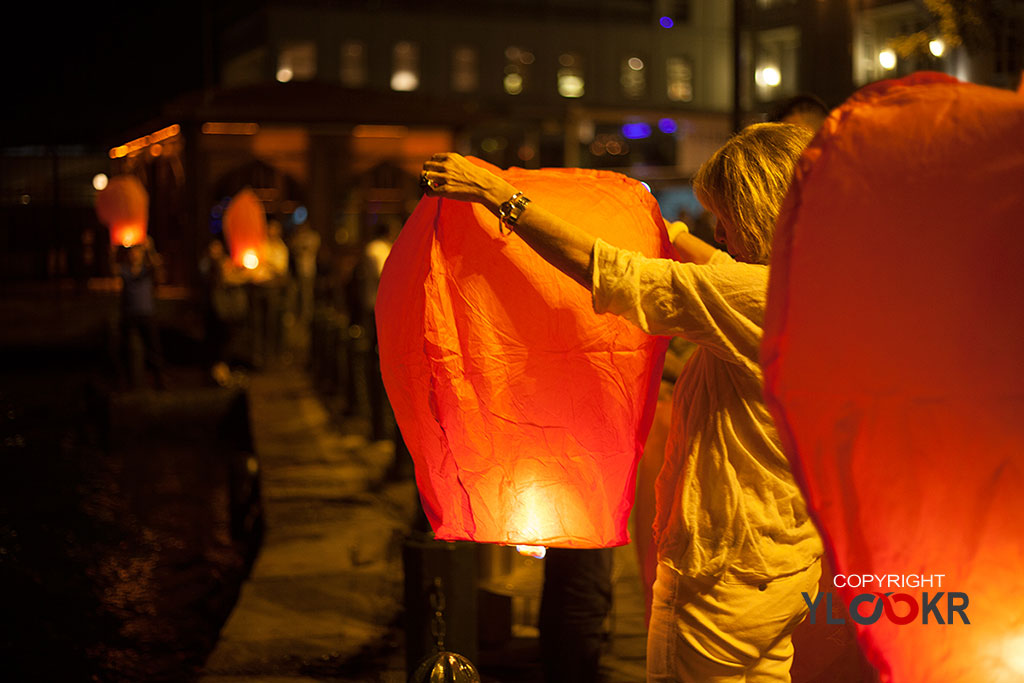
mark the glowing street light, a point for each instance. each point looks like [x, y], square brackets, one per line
[99, 181]
[887, 58]
[768, 76]
[937, 47]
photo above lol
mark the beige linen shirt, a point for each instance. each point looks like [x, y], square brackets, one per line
[727, 502]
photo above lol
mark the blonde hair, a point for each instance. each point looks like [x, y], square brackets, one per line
[745, 181]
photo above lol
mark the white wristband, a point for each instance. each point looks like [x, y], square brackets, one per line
[676, 227]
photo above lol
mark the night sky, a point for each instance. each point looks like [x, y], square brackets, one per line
[81, 74]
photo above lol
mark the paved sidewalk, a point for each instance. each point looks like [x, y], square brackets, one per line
[328, 581]
[323, 602]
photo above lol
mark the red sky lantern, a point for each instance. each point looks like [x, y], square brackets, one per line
[894, 370]
[245, 228]
[123, 206]
[525, 412]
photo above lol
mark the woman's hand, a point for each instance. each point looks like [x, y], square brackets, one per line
[452, 176]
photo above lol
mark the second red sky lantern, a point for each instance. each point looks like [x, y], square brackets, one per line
[893, 368]
[245, 228]
[123, 206]
[525, 412]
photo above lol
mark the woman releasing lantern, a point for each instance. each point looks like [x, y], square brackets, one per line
[736, 547]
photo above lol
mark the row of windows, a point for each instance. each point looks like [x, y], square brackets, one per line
[297, 61]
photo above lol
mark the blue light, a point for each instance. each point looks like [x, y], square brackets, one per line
[300, 215]
[667, 126]
[636, 131]
[666, 22]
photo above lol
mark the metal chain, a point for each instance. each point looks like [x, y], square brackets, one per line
[437, 602]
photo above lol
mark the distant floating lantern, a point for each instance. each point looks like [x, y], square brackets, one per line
[893, 368]
[245, 228]
[123, 206]
[524, 411]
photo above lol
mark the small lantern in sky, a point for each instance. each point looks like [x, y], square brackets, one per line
[524, 411]
[245, 228]
[894, 370]
[123, 206]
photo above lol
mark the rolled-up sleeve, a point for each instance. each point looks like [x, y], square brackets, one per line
[719, 305]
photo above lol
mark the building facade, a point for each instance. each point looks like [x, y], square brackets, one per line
[329, 109]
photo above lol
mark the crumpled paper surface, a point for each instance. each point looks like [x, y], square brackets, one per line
[894, 367]
[524, 411]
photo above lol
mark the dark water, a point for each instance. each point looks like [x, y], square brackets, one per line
[127, 523]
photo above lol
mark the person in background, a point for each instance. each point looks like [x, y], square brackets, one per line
[305, 245]
[269, 285]
[374, 255]
[803, 110]
[736, 546]
[140, 271]
[225, 305]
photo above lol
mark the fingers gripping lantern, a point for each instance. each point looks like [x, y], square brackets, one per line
[524, 411]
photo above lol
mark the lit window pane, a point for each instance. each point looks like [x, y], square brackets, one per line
[633, 77]
[679, 79]
[570, 75]
[405, 73]
[517, 67]
[465, 74]
[296, 62]
[353, 64]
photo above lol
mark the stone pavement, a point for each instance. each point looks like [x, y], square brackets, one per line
[327, 583]
[323, 602]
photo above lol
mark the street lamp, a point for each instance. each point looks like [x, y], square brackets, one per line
[768, 76]
[887, 58]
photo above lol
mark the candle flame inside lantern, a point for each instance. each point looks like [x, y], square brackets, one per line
[535, 551]
[130, 236]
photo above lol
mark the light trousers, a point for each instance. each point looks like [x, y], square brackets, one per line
[725, 631]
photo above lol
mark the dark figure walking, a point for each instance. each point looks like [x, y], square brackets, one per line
[574, 608]
[140, 339]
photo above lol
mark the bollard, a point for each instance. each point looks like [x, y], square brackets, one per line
[425, 561]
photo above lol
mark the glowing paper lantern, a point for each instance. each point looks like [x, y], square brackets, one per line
[123, 206]
[245, 228]
[524, 411]
[894, 369]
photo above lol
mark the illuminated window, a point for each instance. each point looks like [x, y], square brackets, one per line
[633, 77]
[296, 62]
[353, 64]
[679, 79]
[465, 74]
[405, 71]
[517, 66]
[570, 75]
[775, 67]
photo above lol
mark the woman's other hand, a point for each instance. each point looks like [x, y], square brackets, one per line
[452, 176]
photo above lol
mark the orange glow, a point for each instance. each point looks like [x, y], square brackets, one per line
[380, 131]
[129, 235]
[230, 128]
[245, 228]
[525, 415]
[893, 374]
[141, 143]
[156, 150]
[535, 551]
[123, 206]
